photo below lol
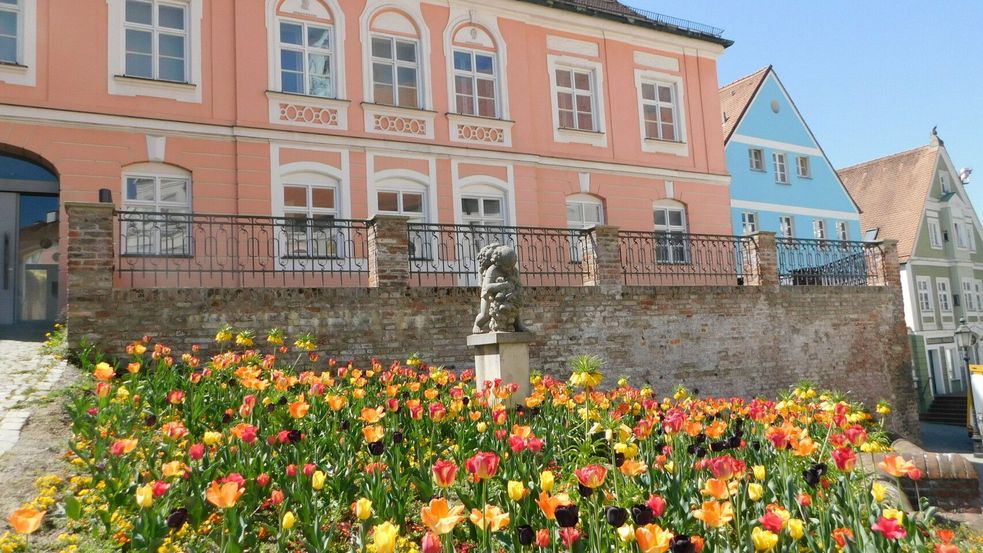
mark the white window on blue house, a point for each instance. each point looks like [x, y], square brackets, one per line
[819, 229]
[781, 167]
[871, 234]
[934, 234]
[749, 222]
[803, 168]
[924, 285]
[842, 230]
[756, 158]
[786, 226]
[942, 287]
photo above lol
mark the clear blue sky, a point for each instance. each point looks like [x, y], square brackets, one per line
[871, 77]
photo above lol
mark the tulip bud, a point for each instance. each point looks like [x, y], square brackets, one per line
[431, 543]
[145, 496]
[317, 480]
[362, 509]
[196, 452]
[288, 520]
[516, 490]
[263, 480]
[546, 480]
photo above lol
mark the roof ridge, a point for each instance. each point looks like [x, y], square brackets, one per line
[884, 158]
[745, 77]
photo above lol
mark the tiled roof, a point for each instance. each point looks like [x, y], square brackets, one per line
[891, 192]
[735, 97]
[613, 9]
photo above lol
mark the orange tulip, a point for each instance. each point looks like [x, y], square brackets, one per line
[492, 519]
[104, 371]
[299, 408]
[895, 465]
[716, 488]
[715, 514]
[373, 433]
[632, 467]
[591, 476]
[371, 415]
[652, 538]
[26, 521]
[439, 517]
[336, 403]
[224, 496]
[549, 504]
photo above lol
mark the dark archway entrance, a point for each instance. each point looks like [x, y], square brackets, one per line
[29, 253]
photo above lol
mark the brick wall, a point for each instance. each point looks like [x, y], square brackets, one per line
[739, 341]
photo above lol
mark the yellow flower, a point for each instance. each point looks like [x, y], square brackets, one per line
[363, 509]
[878, 491]
[763, 540]
[212, 438]
[492, 519]
[481, 426]
[715, 514]
[288, 520]
[516, 490]
[795, 529]
[546, 480]
[895, 514]
[145, 496]
[317, 480]
[627, 533]
[652, 538]
[759, 472]
[755, 491]
[384, 537]
[439, 517]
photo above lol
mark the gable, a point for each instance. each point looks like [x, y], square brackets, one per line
[772, 116]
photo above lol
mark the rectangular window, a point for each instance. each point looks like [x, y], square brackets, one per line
[968, 298]
[10, 31]
[962, 237]
[781, 167]
[756, 158]
[395, 72]
[156, 37]
[306, 53]
[978, 294]
[942, 287]
[749, 222]
[309, 212]
[582, 214]
[160, 234]
[659, 111]
[925, 295]
[934, 234]
[475, 83]
[842, 230]
[819, 229]
[575, 99]
[672, 245]
[944, 182]
[803, 168]
[403, 202]
[787, 228]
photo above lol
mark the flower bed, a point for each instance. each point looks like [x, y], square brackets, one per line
[274, 447]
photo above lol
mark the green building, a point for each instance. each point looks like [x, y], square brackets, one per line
[918, 198]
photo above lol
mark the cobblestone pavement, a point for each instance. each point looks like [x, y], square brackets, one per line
[25, 375]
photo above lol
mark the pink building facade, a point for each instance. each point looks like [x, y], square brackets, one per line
[501, 112]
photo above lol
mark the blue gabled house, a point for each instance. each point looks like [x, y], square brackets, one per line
[781, 179]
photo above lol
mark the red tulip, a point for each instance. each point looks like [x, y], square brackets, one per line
[844, 458]
[309, 469]
[197, 451]
[657, 504]
[431, 543]
[542, 538]
[889, 528]
[444, 473]
[160, 488]
[483, 465]
[263, 480]
[291, 470]
[570, 536]
[591, 476]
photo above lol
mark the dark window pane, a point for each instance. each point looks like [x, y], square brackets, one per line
[563, 78]
[584, 104]
[486, 88]
[388, 201]
[382, 73]
[383, 94]
[487, 108]
[465, 104]
[648, 91]
[666, 115]
[318, 37]
[140, 188]
[469, 206]
[171, 69]
[675, 217]
[585, 122]
[320, 86]
[565, 100]
[382, 48]
[405, 51]
[463, 85]
[462, 61]
[665, 94]
[291, 33]
[484, 64]
[8, 49]
[171, 17]
[413, 203]
[322, 198]
[651, 129]
[139, 12]
[406, 76]
[139, 65]
[295, 196]
[318, 64]
[492, 207]
[582, 81]
[174, 190]
[651, 113]
[668, 132]
[292, 82]
[8, 23]
[660, 217]
[566, 119]
[171, 46]
[408, 97]
[139, 41]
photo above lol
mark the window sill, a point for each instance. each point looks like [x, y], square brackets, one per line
[804, 177]
[16, 73]
[399, 121]
[659, 146]
[279, 94]
[13, 66]
[783, 183]
[579, 136]
[155, 82]
[302, 110]
[397, 109]
[758, 170]
[124, 85]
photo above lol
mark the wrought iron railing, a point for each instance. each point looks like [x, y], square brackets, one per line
[158, 249]
[447, 254]
[681, 259]
[628, 12]
[808, 262]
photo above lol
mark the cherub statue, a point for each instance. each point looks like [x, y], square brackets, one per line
[501, 293]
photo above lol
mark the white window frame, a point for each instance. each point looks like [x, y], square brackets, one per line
[680, 146]
[306, 51]
[819, 229]
[978, 294]
[475, 76]
[396, 64]
[946, 187]
[310, 213]
[923, 287]
[756, 163]
[597, 136]
[842, 231]
[969, 301]
[943, 291]
[672, 242]
[658, 104]
[121, 85]
[580, 203]
[160, 225]
[786, 226]
[780, 162]
[156, 31]
[574, 92]
[934, 233]
[23, 70]
[962, 241]
[400, 191]
[803, 167]
[749, 222]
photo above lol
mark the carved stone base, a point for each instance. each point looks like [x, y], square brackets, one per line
[505, 356]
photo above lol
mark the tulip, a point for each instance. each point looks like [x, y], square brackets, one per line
[895, 465]
[444, 473]
[878, 491]
[439, 517]
[288, 520]
[212, 438]
[569, 537]
[299, 408]
[362, 509]
[755, 491]
[657, 504]
[772, 522]
[317, 480]
[160, 488]
[483, 465]
[525, 534]
[196, 452]
[177, 518]
[516, 490]
[373, 433]
[431, 543]
[492, 519]
[616, 516]
[122, 447]
[263, 480]
[567, 515]
[759, 472]
[145, 496]
[224, 496]
[26, 521]
[795, 528]
[652, 538]
[384, 537]
[591, 476]
[890, 528]
[844, 458]
[103, 371]
[546, 480]
[542, 538]
[715, 514]
[763, 540]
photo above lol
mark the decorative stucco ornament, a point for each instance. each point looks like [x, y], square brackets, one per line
[501, 292]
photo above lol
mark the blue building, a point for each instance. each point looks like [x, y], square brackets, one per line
[782, 181]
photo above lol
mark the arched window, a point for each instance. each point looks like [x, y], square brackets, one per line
[584, 211]
[476, 72]
[483, 205]
[161, 193]
[672, 243]
[402, 197]
[396, 60]
[310, 206]
[306, 58]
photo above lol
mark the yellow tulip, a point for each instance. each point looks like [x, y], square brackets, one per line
[516, 490]
[895, 514]
[878, 491]
[145, 496]
[212, 438]
[755, 491]
[763, 540]
[363, 509]
[440, 517]
[288, 520]
[795, 528]
[317, 480]
[384, 537]
[759, 472]
[627, 533]
[546, 480]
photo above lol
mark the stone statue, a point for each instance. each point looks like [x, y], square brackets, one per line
[501, 293]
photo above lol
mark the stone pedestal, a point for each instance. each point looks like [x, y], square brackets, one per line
[505, 356]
